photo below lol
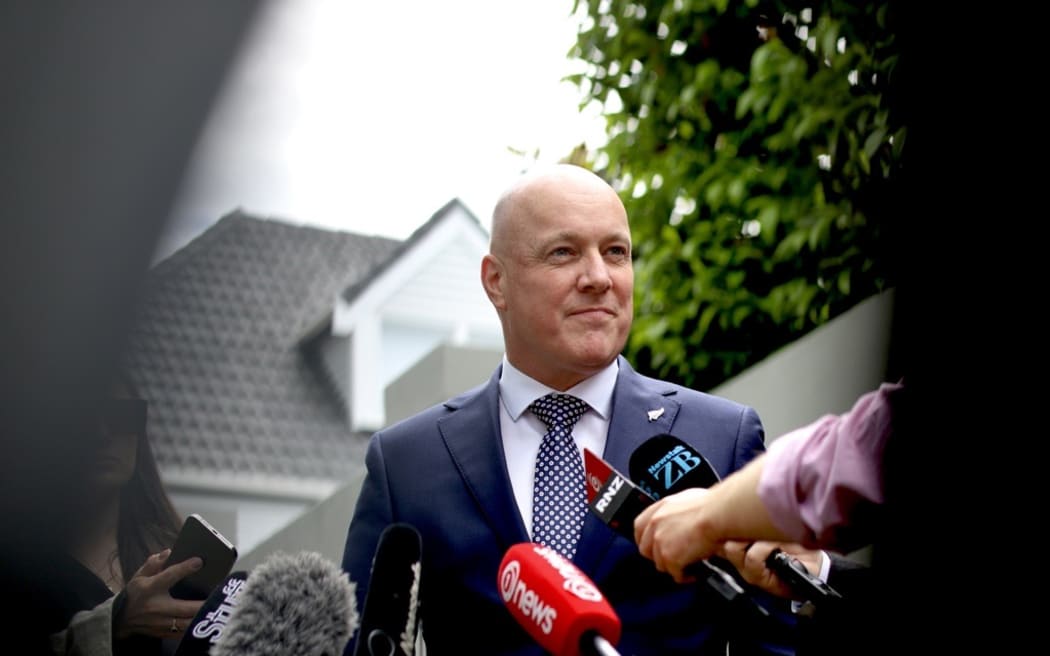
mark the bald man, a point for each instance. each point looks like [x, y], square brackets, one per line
[463, 472]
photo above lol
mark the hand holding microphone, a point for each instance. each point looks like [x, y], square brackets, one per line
[618, 502]
[668, 467]
[556, 603]
[668, 534]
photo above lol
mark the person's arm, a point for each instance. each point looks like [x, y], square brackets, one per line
[691, 525]
[89, 633]
[143, 608]
[805, 489]
[821, 480]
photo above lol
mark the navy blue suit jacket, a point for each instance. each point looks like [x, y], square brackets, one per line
[443, 471]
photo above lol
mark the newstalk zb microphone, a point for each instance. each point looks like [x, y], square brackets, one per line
[665, 465]
[619, 501]
[556, 603]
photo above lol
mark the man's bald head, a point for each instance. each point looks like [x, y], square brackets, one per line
[559, 274]
[533, 193]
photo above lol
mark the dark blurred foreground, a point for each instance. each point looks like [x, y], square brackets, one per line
[102, 105]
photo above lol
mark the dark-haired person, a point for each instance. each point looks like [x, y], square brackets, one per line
[107, 591]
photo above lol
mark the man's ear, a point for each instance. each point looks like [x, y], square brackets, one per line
[492, 277]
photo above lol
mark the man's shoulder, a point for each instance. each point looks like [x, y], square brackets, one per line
[429, 417]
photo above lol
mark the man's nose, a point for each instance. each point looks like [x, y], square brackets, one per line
[595, 274]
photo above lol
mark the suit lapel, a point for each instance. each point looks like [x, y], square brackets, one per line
[642, 408]
[472, 436]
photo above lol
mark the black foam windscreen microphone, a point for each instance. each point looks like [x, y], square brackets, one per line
[666, 464]
[291, 605]
[390, 618]
[556, 603]
[210, 621]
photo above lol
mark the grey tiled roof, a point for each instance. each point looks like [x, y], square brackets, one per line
[216, 350]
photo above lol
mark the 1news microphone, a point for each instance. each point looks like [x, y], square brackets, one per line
[390, 619]
[665, 465]
[291, 605]
[556, 603]
[210, 621]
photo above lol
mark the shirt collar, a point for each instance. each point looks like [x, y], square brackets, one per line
[517, 391]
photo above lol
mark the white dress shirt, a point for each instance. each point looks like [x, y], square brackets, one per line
[522, 431]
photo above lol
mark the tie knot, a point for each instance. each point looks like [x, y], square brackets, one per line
[559, 410]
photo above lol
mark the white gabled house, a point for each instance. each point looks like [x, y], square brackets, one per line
[269, 352]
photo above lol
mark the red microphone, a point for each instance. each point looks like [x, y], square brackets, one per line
[556, 603]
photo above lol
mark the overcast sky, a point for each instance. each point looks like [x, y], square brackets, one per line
[369, 116]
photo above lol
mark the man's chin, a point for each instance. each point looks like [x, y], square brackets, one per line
[593, 361]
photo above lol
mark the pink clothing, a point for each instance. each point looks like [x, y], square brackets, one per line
[819, 480]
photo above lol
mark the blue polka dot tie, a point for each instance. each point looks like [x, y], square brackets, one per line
[558, 497]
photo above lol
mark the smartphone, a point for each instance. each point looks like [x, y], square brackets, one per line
[199, 538]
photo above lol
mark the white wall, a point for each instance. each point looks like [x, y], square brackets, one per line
[823, 372]
[322, 528]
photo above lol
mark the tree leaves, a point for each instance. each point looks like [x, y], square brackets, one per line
[769, 129]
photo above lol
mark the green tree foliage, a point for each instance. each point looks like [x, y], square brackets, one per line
[755, 145]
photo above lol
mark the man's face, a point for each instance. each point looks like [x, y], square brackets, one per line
[566, 283]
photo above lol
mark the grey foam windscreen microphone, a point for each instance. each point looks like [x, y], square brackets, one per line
[292, 605]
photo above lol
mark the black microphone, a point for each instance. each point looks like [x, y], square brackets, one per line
[210, 621]
[390, 619]
[665, 465]
[293, 605]
[619, 501]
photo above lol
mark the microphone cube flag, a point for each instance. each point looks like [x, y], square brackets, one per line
[556, 603]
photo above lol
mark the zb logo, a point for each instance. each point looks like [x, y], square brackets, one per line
[676, 467]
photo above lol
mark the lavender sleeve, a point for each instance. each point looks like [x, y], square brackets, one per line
[818, 480]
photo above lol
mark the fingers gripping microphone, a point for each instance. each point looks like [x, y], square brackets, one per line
[665, 465]
[618, 501]
[390, 617]
[207, 626]
[556, 603]
[291, 605]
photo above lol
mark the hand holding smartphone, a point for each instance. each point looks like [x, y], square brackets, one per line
[199, 538]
